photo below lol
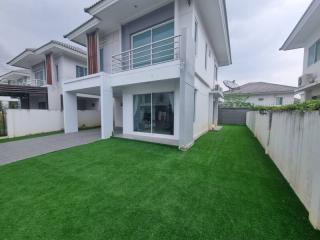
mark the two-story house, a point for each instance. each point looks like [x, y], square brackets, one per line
[306, 35]
[37, 81]
[154, 65]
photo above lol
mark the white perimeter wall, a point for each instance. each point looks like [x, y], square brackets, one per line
[292, 141]
[154, 87]
[25, 122]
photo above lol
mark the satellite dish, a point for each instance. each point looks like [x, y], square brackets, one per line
[231, 84]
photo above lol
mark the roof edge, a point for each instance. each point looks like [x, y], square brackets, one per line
[301, 23]
[35, 51]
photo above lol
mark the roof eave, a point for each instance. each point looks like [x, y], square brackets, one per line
[227, 35]
[289, 44]
[99, 6]
[83, 28]
[14, 60]
[259, 93]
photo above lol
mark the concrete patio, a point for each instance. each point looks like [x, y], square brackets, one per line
[23, 149]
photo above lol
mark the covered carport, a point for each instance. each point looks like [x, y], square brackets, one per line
[26, 94]
[94, 85]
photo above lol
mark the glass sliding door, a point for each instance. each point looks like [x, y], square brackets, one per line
[142, 113]
[141, 56]
[162, 113]
[153, 46]
[154, 113]
[163, 49]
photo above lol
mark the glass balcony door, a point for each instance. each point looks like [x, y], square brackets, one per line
[153, 46]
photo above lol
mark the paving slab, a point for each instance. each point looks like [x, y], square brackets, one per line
[23, 149]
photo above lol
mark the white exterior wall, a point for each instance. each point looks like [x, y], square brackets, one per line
[204, 78]
[206, 74]
[26, 122]
[314, 68]
[201, 119]
[270, 100]
[118, 112]
[163, 86]
[67, 70]
[111, 45]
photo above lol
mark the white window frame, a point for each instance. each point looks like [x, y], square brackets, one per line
[279, 101]
[151, 106]
[146, 30]
[82, 66]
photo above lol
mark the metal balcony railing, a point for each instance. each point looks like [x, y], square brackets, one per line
[165, 50]
[29, 82]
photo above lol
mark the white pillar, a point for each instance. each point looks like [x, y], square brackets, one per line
[215, 111]
[70, 112]
[106, 109]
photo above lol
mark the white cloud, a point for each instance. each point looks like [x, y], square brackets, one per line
[257, 30]
[31, 23]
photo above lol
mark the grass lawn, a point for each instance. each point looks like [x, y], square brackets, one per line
[225, 187]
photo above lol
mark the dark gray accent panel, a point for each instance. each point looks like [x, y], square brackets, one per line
[151, 19]
[236, 116]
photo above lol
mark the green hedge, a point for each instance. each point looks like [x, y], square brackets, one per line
[308, 106]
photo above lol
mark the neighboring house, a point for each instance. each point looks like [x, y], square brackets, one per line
[262, 94]
[38, 81]
[154, 64]
[306, 35]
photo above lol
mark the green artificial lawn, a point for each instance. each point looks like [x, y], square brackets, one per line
[225, 187]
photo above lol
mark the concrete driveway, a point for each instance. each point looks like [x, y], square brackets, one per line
[18, 150]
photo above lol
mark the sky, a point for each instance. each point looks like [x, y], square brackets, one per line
[257, 28]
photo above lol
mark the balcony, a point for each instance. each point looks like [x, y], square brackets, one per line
[28, 83]
[158, 52]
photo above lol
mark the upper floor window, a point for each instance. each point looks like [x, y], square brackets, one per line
[314, 53]
[81, 71]
[279, 100]
[38, 71]
[154, 45]
[196, 30]
[101, 51]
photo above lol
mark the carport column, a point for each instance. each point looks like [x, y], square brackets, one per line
[106, 108]
[70, 112]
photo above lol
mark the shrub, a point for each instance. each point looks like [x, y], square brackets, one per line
[308, 106]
